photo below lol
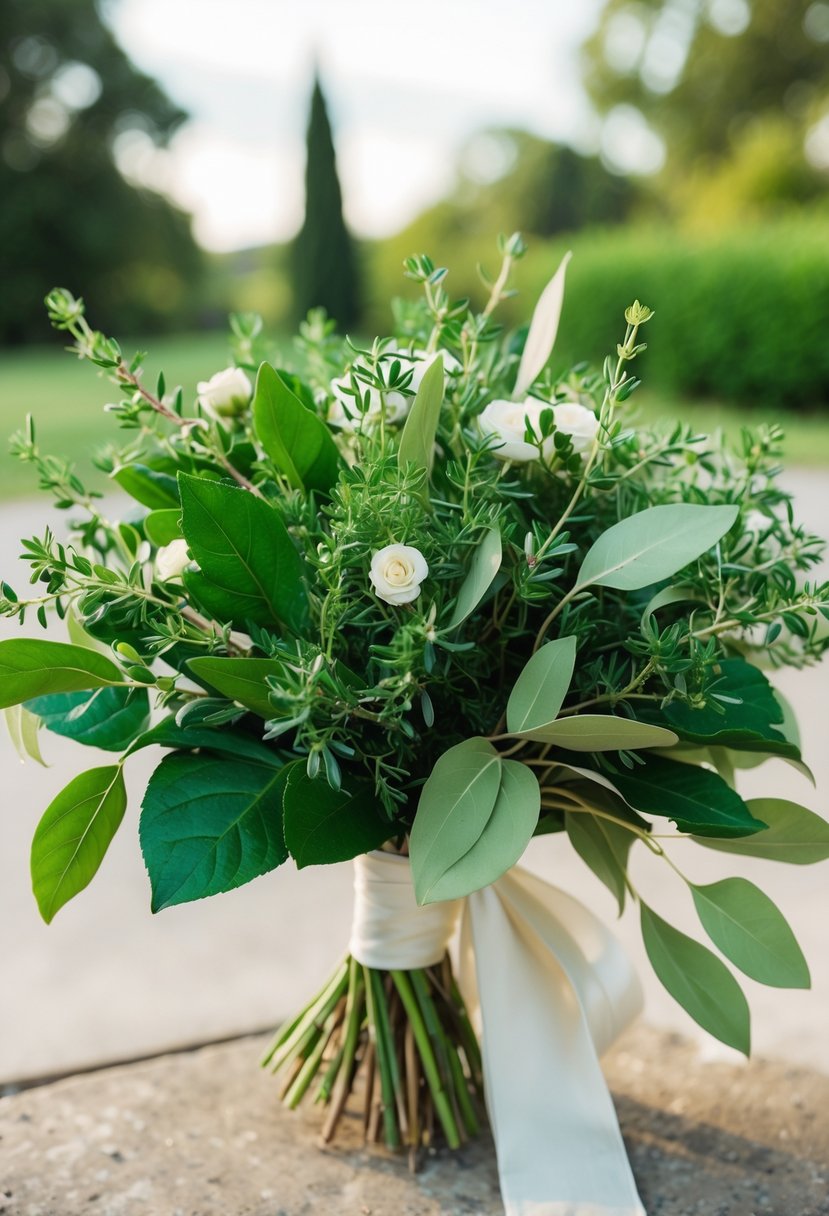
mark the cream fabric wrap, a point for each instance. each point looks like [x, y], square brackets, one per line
[550, 989]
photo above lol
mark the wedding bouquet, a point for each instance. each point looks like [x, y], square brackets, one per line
[412, 603]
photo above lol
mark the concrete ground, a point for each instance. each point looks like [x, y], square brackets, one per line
[108, 981]
[202, 1134]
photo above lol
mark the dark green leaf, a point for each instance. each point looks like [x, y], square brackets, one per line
[295, 438]
[241, 680]
[696, 978]
[74, 834]
[205, 738]
[747, 726]
[250, 569]
[794, 834]
[324, 825]
[752, 932]
[696, 799]
[209, 824]
[32, 667]
[154, 489]
[109, 718]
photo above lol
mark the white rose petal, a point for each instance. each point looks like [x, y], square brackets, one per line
[172, 559]
[577, 421]
[507, 420]
[397, 572]
[225, 393]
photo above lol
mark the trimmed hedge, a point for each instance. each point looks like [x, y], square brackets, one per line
[740, 316]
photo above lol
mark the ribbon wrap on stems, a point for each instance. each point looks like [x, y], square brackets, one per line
[550, 989]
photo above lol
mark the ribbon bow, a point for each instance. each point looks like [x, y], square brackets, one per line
[550, 989]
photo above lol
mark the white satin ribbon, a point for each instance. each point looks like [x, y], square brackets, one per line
[550, 988]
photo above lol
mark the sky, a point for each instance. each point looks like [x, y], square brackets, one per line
[407, 85]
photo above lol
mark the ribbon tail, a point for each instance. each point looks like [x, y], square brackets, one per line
[553, 986]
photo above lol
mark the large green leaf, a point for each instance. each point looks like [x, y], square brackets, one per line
[109, 718]
[150, 487]
[454, 808]
[696, 799]
[74, 834]
[32, 667]
[297, 441]
[696, 978]
[794, 834]
[324, 825]
[750, 721]
[223, 739]
[163, 526]
[604, 847]
[506, 835]
[209, 824]
[540, 690]
[417, 442]
[485, 564]
[600, 733]
[653, 544]
[241, 680]
[250, 569]
[752, 932]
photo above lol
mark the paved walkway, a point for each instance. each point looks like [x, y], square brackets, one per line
[108, 981]
[203, 1134]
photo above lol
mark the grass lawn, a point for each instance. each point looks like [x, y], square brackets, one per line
[66, 398]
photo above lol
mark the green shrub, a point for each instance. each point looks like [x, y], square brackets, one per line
[742, 316]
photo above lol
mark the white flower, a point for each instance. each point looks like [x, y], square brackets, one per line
[397, 572]
[507, 420]
[225, 393]
[421, 361]
[577, 421]
[172, 559]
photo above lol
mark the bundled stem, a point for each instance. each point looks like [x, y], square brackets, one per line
[404, 1037]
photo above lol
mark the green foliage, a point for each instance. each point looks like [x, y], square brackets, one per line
[296, 440]
[604, 846]
[243, 680]
[696, 978]
[324, 263]
[600, 733]
[752, 722]
[324, 825]
[696, 799]
[109, 718]
[752, 932]
[32, 667]
[540, 690]
[209, 824]
[483, 568]
[794, 834]
[74, 834]
[417, 441]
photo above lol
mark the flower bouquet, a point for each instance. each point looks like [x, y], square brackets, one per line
[412, 603]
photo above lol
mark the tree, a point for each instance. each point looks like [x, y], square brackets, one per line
[703, 73]
[70, 99]
[323, 255]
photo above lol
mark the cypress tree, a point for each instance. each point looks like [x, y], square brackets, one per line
[324, 262]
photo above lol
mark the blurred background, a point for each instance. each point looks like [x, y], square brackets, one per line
[175, 160]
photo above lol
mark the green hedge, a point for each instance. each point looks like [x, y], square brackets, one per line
[740, 316]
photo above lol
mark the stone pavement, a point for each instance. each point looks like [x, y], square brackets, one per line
[108, 981]
[202, 1134]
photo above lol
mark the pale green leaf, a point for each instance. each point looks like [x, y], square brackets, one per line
[485, 564]
[23, 727]
[417, 441]
[542, 332]
[794, 834]
[600, 733]
[696, 978]
[454, 808]
[32, 667]
[74, 834]
[501, 844]
[653, 544]
[752, 932]
[540, 689]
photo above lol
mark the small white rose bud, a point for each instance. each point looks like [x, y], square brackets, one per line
[226, 393]
[397, 572]
[172, 559]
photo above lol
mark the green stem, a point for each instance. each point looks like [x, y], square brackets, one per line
[443, 1107]
[378, 1015]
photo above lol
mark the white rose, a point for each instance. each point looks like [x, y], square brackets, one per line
[225, 393]
[423, 361]
[397, 572]
[577, 421]
[507, 420]
[172, 559]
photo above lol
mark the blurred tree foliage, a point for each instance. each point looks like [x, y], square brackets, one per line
[70, 101]
[735, 89]
[323, 257]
